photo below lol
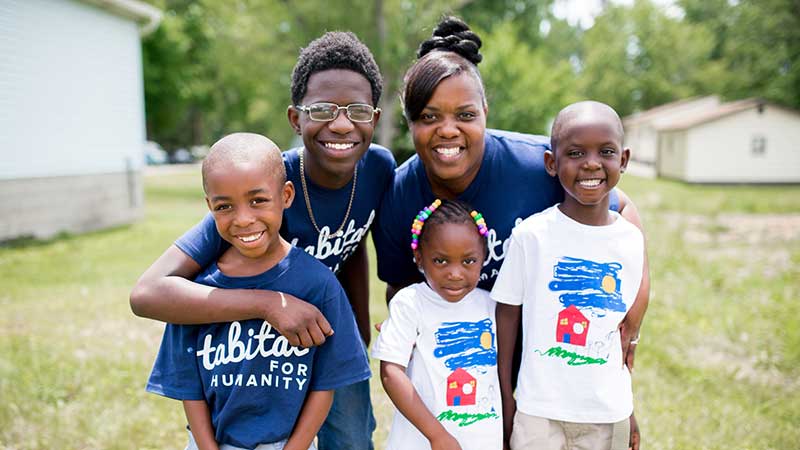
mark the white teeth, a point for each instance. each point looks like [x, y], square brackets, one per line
[590, 183]
[339, 146]
[448, 151]
[251, 237]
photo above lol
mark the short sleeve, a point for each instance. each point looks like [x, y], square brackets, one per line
[613, 200]
[342, 359]
[175, 373]
[202, 242]
[510, 285]
[395, 259]
[395, 343]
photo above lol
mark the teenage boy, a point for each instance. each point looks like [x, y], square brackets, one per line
[336, 86]
[572, 273]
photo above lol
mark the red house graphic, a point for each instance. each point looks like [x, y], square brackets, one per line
[572, 326]
[460, 388]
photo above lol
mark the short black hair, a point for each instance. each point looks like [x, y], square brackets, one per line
[335, 50]
[451, 211]
[565, 117]
[244, 147]
[451, 50]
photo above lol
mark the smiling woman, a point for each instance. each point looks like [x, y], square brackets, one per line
[500, 173]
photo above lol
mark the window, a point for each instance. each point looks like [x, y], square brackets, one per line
[758, 146]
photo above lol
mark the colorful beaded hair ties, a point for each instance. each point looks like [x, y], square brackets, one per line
[416, 227]
[478, 218]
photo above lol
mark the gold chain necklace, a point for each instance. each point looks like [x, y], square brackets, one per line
[340, 231]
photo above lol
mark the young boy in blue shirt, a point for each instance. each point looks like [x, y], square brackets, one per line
[571, 274]
[340, 178]
[242, 384]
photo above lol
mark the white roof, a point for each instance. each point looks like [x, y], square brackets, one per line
[664, 113]
[726, 109]
[146, 15]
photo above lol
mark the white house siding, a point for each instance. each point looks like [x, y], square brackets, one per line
[71, 118]
[721, 151]
[672, 154]
[641, 130]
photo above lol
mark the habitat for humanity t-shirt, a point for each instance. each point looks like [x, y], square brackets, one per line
[253, 380]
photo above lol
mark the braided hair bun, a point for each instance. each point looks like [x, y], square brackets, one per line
[453, 35]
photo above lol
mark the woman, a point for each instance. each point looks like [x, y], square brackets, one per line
[499, 173]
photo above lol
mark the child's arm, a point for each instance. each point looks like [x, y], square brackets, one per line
[633, 320]
[508, 318]
[164, 292]
[315, 410]
[199, 418]
[405, 397]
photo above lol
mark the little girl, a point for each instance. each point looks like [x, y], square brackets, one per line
[437, 348]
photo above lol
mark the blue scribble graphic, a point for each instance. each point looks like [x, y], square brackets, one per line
[590, 285]
[466, 344]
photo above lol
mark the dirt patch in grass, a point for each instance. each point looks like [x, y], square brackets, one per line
[750, 229]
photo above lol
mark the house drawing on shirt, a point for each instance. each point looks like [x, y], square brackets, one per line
[461, 388]
[572, 326]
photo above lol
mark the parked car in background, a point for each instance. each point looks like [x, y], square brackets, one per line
[154, 154]
[181, 156]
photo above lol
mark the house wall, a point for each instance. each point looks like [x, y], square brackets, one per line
[672, 154]
[71, 111]
[642, 135]
[42, 207]
[643, 142]
[747, 147]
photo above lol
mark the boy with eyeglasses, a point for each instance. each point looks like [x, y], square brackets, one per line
[336, 86]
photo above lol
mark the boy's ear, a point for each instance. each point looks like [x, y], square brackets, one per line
[626, 155]
[550, 163]
[294, 118]
[377, 116]
[288, 194]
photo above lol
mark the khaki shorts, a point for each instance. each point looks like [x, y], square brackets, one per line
[531, 432]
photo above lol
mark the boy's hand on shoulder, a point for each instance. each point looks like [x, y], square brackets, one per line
[445, 441]
[300, 322]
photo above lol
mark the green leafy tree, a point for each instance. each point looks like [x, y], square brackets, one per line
[636, 57]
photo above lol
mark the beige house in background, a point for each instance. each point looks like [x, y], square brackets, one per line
[72, 124]
[704, 141]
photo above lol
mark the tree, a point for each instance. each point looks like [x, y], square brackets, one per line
[636, 57]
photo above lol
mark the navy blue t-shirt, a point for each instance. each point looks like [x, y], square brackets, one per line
[375, 173]
[254, 382]
[511, 185]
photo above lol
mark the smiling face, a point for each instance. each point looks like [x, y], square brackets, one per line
[588, 160]
[333, 148]
[247, 201]
[451, 256]
[448, 135]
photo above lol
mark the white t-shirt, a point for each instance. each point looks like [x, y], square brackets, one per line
[450, 354]
[575, 283]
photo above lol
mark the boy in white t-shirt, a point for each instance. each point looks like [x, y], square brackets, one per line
[571, 272]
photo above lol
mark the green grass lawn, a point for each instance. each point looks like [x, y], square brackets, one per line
[718, 366]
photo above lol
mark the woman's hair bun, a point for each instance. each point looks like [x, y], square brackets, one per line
[453, 35]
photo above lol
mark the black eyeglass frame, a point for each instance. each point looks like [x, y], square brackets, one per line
[307, 109]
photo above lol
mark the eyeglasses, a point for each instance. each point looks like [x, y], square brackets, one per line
[327, 112]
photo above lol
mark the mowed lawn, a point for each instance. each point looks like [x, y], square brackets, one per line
[718, 366]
